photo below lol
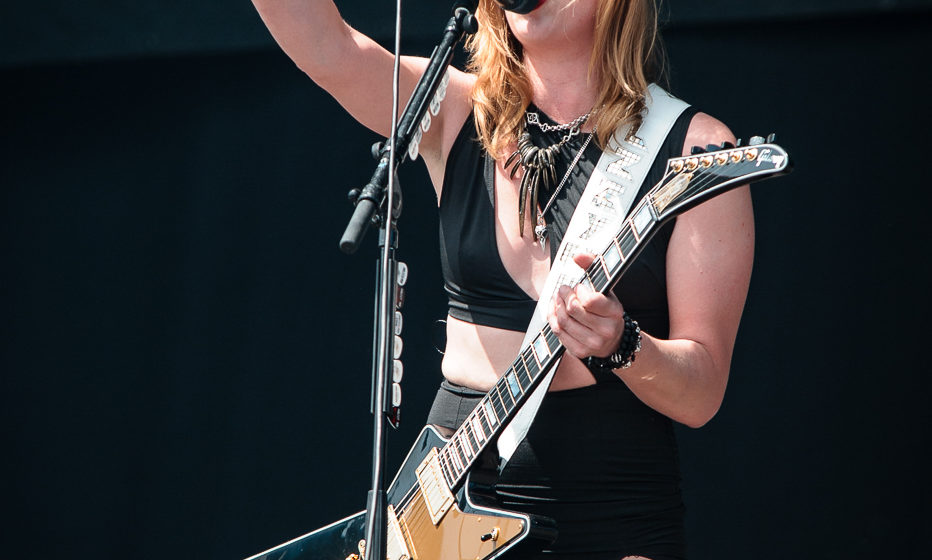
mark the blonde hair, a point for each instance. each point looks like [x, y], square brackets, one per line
[626, 56]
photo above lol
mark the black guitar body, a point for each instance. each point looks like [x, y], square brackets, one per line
[474, 527]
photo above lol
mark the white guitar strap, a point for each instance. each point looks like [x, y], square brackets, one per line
[604, 204]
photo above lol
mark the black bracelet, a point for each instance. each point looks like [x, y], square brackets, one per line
[626, 352]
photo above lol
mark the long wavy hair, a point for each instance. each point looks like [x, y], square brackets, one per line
[627, 55]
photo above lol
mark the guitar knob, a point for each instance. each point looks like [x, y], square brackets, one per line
[756, 140]
[712, 148]
[492, 536]
[727, 146]
[696, 150]
[771, 137]
[399, 322]
[396, 395]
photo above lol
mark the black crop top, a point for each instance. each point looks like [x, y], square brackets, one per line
[478, 286]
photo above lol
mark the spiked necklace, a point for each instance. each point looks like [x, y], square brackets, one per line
[539, 165]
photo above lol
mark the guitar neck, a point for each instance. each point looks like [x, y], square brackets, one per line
[689, 181]
[499, 405]
[502, 402]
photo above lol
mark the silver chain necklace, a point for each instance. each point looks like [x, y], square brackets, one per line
[572, 126]
[540, 230]
[539, 164]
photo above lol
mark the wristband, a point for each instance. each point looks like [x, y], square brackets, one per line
[626, 352]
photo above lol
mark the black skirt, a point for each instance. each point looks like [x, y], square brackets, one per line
[596, 460]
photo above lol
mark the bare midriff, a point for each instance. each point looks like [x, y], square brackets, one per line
[477, 356]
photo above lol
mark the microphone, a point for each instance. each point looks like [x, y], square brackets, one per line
[519, 6]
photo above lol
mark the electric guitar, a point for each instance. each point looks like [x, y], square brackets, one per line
[440, 502]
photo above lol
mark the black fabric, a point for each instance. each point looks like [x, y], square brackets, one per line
[479, 288]
[643, 288]
[596, 459]
[600, 463]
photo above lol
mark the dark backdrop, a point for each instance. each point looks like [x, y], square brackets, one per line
[185, 352]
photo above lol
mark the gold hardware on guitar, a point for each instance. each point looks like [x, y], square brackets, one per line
[434, 488]
[430, 523]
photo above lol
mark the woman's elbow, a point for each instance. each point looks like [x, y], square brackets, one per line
[703, 410]
[699, 418]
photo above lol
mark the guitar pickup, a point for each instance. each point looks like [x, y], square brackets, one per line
[434, 490]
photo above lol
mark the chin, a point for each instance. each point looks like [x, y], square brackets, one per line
[552, 22]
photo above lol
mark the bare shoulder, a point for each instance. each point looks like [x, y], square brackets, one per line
[705, 129]
[736, 204]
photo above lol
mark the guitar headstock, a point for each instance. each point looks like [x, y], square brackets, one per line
[695, 178]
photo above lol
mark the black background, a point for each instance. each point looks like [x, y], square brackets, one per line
[185, 351]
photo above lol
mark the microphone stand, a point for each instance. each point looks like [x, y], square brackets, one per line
[376, 205]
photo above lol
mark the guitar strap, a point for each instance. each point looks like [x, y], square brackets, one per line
[601, 210]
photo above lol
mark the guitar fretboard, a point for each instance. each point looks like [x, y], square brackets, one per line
[502, 402]
[689, 181]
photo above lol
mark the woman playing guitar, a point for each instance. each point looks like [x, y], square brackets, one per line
[600, 458]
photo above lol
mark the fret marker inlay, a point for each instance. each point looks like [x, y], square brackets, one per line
[513, 385]
[612, 258]
[490, 413]
[541, 349]
[642, 219]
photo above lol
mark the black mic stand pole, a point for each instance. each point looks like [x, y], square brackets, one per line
[378, 195]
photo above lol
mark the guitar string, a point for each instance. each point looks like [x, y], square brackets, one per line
[411, 494]
[705, 177]
[459, 435]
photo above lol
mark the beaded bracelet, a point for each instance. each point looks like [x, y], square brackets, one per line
[626, 352]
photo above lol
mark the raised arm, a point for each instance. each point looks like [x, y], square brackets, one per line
[357, 71]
